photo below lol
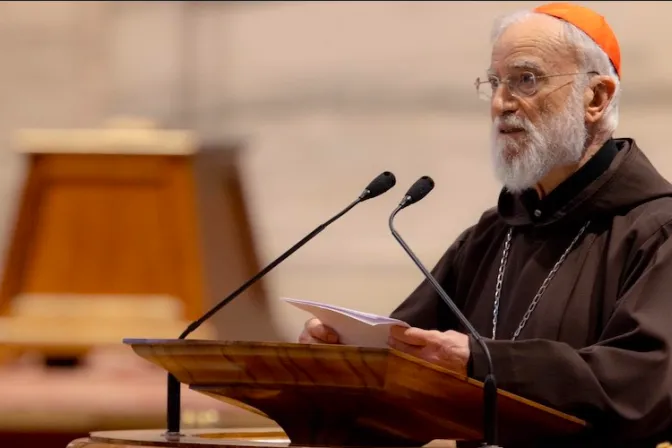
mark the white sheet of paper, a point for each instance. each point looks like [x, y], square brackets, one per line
[353, 327]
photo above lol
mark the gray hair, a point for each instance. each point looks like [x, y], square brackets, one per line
[591, 58]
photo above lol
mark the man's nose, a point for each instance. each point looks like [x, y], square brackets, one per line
[502, 102]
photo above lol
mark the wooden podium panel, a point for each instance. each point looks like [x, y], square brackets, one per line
[107, 224]
[334, 395]
[131, 213]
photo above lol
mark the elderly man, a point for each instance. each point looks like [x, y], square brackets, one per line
[570, 276]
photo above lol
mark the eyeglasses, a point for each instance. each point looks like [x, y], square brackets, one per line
[524, 84]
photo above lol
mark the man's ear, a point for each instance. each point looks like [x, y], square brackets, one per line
[597, 97]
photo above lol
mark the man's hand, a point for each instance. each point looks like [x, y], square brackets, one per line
[449, 350]
[314, 332]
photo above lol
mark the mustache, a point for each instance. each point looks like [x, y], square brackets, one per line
[512, 121]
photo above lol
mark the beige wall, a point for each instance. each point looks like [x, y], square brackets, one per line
[324, 96]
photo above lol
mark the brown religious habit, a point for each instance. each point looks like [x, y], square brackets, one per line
[575, 292]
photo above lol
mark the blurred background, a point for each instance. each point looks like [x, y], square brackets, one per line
[153, 155]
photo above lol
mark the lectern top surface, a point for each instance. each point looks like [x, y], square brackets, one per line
[138, 141]
[212, 342]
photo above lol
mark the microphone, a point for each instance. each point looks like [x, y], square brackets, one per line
[381, 184]
[416, 193]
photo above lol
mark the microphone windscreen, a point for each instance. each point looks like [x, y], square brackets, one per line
[382, 183]
[419, 189]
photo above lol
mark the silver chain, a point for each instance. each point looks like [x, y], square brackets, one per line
[542, 289]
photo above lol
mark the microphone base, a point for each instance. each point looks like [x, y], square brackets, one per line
[171, 436]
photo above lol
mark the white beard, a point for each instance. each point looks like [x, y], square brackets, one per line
[560, 140]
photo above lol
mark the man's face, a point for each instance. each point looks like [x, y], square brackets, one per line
[538, 120]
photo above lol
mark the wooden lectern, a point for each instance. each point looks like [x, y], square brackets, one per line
[333, 395]
[126, 230]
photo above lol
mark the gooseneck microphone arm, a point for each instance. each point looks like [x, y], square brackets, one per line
[416, 193]
[197, 323]
[381, 184]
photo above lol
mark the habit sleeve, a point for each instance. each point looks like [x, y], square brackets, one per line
[626, 376]
[424, 308]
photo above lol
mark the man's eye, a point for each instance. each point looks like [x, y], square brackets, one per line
[527, 79]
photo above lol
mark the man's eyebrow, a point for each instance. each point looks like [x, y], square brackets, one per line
[517, 65]
[528, 65]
